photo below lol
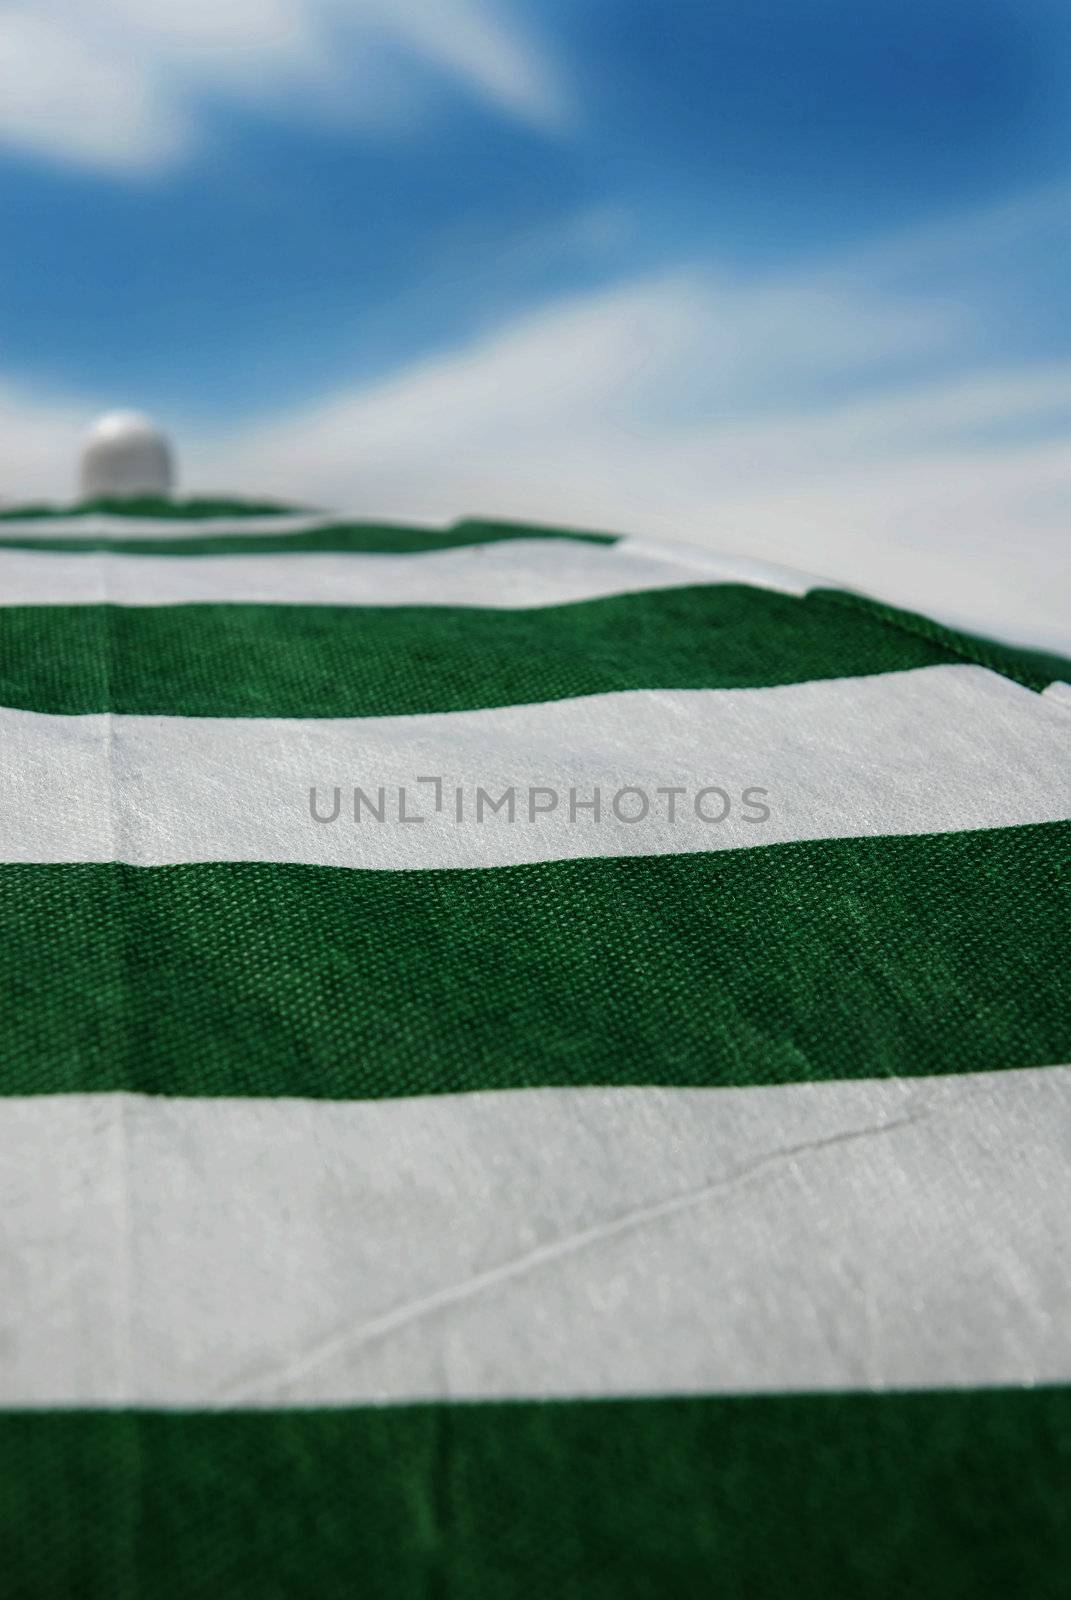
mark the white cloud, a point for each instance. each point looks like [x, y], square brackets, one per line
[39, 443]
[925, 495]
[119, 85]
[693, 408]
[63, 97]
[471, 40]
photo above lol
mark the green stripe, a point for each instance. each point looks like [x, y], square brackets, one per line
[365, 538]
[838, 959]
[334, 661]
[1033, 668]
[942, 1496]
[157, 507]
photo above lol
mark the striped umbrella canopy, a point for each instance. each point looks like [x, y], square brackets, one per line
[531, 1063]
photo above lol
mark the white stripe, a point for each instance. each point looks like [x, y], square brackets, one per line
[98, 525]
[938, 749]
[516, 573]
[210, 1253]
[723, 566]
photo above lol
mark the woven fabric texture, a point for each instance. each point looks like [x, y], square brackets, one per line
[138, 1000]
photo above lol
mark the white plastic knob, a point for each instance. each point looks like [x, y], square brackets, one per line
[126, 455]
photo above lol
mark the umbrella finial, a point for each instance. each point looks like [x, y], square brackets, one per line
[125, 454]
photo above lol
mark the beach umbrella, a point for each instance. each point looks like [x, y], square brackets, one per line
[533, 1063]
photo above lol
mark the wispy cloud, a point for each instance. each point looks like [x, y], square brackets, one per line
[65, 98]
[122, 85]
[473, 40]
[948, 495]
[40, 437]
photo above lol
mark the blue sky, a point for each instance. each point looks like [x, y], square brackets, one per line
[796, 268]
